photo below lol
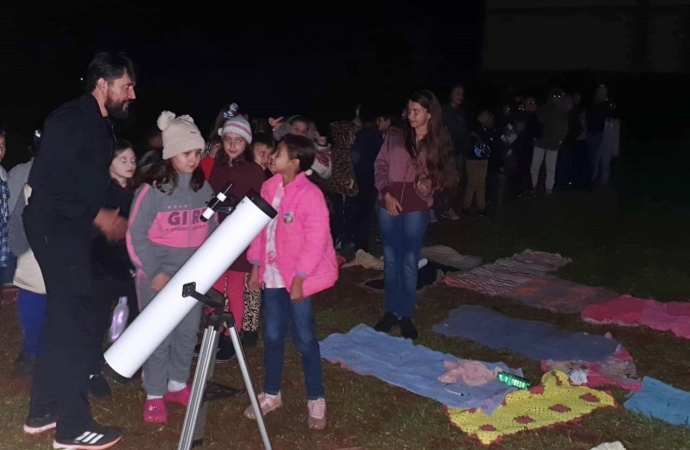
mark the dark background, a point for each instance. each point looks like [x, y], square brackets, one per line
[318, 59]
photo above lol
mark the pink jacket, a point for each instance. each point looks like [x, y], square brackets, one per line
[303, 239]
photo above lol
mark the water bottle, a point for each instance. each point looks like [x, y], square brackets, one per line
[119, 322]
[513, 380]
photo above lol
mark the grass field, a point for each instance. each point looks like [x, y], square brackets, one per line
[622, 240]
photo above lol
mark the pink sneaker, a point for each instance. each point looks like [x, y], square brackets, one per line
[317, 414]
[181, 397]
[267, 403]
[154, 411]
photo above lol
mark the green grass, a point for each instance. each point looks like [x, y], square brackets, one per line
[620, 241]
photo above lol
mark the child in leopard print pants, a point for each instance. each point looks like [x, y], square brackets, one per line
[250, 321]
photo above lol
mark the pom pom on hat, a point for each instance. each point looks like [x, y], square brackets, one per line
[165, 119]
[180, 134]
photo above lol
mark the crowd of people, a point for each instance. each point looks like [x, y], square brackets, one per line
[89, 224]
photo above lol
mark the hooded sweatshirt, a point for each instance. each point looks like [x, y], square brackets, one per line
[165, 227]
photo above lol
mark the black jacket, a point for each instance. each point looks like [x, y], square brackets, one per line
[111, 258]
[455, 122]
[368, 142]
[70, 176]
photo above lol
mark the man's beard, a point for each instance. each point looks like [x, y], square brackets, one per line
[118, 109]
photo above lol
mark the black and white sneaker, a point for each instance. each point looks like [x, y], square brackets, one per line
[97, 437]
[35, 425]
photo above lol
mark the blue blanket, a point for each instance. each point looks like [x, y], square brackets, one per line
[661, 401]
[413, 367]
[536, 340]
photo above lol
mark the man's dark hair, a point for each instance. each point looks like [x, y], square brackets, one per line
[110, 66]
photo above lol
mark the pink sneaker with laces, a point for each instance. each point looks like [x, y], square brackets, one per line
[154, 411]
[267, 403]
[181, 397]
[317, 414]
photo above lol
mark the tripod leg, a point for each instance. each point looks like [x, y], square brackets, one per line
[205, 362]
[250, 388]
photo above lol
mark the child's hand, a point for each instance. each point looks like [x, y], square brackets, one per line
[159, 281]
[393, 207]
[296, 294]
[253, 281]
[275, 123]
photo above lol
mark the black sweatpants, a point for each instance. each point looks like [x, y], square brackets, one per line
[70, 337]
[359, 214]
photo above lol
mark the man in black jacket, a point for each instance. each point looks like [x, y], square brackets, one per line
[70, 181]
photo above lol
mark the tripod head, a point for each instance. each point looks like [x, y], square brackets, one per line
[216, 204]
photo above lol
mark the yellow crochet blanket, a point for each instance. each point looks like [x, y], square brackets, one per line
[553, 401]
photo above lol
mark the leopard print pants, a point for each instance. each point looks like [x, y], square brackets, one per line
[252, 308]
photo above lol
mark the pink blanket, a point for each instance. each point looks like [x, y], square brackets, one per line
[631, 311]
[619, 369]
[559, 296]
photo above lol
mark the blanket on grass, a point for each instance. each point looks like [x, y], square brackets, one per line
[400, 362]
[536, 340]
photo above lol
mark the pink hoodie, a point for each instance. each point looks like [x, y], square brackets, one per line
[303, 239]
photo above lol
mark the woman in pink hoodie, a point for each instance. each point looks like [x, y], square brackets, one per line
[413, 164]
[294, 259]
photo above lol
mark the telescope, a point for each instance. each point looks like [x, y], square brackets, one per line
[190, 285]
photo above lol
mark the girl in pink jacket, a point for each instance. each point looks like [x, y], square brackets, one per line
[294, 259]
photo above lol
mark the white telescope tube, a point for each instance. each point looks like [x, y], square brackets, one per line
[204, 267]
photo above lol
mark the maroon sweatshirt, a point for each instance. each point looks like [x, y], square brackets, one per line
[243, 176]
[395, 172]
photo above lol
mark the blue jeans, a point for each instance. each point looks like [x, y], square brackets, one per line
[402, 238]
[32, 309]
[279, 312]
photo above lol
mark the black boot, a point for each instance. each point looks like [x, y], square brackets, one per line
[407, 328]
[387, 322]
[226, 351]
[250, 339]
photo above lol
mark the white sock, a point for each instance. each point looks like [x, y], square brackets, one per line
[153, 397]
[175, 386]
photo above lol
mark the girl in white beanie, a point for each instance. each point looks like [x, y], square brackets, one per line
[164, 231]
[235, 164]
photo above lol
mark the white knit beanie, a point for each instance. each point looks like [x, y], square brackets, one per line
[179, 134]
[239, 126]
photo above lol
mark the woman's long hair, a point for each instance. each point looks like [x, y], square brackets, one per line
[437, 145]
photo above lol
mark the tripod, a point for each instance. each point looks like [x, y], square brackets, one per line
[203, 390]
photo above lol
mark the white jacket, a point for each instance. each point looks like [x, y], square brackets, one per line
[28, 275]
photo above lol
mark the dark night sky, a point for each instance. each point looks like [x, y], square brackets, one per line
[320, 61]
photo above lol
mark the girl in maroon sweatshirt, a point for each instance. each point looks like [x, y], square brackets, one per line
[413, 164]
[235, 164]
